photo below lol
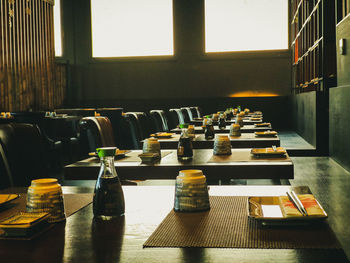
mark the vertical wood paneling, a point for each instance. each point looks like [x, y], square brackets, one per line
[29, 77]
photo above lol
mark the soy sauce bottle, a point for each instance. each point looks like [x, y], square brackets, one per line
[209, 130]
[222, 122]
[184, 148]
[108, 202]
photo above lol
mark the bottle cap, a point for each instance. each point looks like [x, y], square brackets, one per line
[106, 151]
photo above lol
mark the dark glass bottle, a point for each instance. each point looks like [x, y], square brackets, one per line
[209, 132]
[184, 148]
[222, 122]
[108, 202]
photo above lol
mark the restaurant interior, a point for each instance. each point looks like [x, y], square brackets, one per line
[230, 105]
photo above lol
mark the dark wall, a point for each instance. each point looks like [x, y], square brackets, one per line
[339, 125]
[304, 115]
[339, 98]
[189, 75]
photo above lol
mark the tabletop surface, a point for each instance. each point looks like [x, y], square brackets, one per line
[244, 129]
[241, 164]
[246, 140]
[83, 239]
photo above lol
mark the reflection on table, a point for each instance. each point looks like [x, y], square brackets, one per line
[81, 239]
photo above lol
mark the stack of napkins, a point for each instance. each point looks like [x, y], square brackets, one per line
[309, 202]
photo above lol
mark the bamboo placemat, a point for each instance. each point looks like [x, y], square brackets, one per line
[72, 204]
[226, 225]
[244, 156]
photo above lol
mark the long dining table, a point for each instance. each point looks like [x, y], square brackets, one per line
[240, 165]
[246, 140]
[246, 121]
[81, 238]
[244, 129]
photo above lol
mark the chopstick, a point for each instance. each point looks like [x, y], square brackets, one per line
[296, 201]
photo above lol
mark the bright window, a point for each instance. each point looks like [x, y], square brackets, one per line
[242, 25]
[127, 28]
[57, 28]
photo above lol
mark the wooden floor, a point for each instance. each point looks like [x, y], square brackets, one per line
[330, 183]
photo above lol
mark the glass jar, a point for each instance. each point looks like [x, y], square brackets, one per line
[184, 148]
[108, 202]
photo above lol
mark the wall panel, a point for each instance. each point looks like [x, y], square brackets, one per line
[29, 77]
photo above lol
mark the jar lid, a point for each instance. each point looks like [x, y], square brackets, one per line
[222, 138]
[194, 176]
[106, 151]
[44, 182]
[152, 139]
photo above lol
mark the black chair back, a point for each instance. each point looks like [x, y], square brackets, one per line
[160, 120]
[95, 132]
[187, 114]
[194, 112]
[175, 118]
[23, 156]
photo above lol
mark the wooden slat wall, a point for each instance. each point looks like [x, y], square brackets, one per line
[29, 77]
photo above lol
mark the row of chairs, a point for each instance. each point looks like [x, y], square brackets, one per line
[135, 127]
[27, 152]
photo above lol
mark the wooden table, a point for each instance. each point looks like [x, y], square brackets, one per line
[82, 239]
[246, 140]
[244, 129]
[244, 167]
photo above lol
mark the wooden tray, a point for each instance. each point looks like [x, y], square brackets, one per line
[267, 208]
[264, 124]
[6, 198]
[268, 152]
[162, 135]
[266, 134]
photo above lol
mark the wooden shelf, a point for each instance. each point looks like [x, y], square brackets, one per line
[312, 30]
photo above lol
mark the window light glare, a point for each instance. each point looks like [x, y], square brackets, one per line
[243, 25]
[57, 28]
[127, 28]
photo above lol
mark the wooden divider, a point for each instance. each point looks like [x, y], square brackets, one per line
[29, 77]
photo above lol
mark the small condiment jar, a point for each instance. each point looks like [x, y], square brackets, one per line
[235, 129]
[191, 192]
[151, 145]
[45, 195]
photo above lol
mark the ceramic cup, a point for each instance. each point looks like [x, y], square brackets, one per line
[151, 145]
[191, 192]
[222, 145]
[45, 195]
[235, 129]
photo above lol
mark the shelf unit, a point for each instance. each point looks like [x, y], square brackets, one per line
[312, 29]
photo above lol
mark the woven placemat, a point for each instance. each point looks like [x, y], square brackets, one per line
[72, 204]
[244, 156]
[226, 225]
